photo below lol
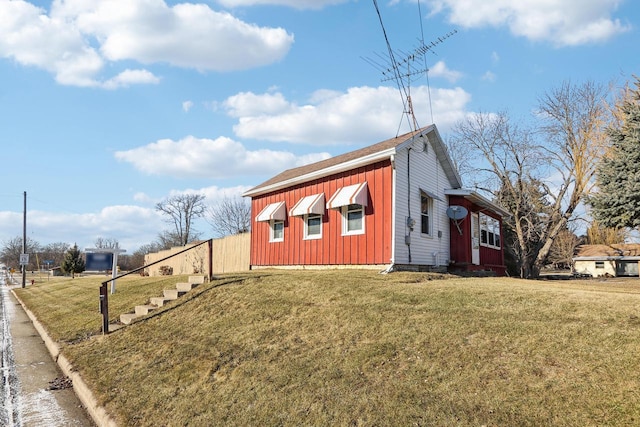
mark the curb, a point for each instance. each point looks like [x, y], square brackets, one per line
[84, 393]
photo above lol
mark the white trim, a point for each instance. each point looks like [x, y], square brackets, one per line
[490, 224]
[429, 133]
[272, 230]
[431, 194]
[306, 227]
[345, 220]
[393, 209]
[477, 199]
[309, 205]
[355, 194]
[430, 216]
[331, 170]
[273, 211]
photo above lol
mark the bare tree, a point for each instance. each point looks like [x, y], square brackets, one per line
[168, 239]
[53, 254]
[230, 216]
[563, 249]
[105, 243]
[561, 159]
[574, 119]
[12, 248]
[180, 211]
[599, 235]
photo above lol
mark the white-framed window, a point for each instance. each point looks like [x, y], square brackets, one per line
[313, 226]
[599, 264]
[426, 213]
[352, 219]
[277, 231]
[489, 231]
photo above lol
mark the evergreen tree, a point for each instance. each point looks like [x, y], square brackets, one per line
[617, 202]
[73, 262]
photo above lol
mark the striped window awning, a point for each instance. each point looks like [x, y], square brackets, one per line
[274, 211]
[309, 205]
[355, 194]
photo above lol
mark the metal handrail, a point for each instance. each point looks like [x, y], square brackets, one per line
[104, 295]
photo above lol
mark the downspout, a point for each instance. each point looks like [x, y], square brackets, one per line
[407, 237]
[393, 216]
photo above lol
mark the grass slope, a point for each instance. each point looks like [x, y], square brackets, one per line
[358, 348]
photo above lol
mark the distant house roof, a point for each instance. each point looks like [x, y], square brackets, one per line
[362, 157]
[616, 251]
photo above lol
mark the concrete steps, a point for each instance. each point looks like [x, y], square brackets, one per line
[155, 302]
[159, 301]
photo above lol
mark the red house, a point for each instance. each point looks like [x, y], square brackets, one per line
[397, 204]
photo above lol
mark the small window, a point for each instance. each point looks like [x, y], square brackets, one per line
[425, 213]
[277, 231]
[599, 264]
[313, 226]
[353, 219]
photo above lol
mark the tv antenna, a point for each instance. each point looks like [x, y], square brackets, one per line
[400, 67]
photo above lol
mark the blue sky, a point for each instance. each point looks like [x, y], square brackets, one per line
[107, 107]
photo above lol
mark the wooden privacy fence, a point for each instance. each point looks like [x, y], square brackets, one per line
[231, 254]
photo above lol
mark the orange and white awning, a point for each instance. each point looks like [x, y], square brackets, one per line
[355, 194]
[274, 211]
[309, 205]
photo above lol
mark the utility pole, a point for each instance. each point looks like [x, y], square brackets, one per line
[24, 241]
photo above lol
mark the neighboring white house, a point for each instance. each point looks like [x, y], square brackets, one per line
[605, 260]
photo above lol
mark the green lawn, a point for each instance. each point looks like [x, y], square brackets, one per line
[358, 348]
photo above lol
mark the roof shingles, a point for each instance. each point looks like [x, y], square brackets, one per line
[293, 173]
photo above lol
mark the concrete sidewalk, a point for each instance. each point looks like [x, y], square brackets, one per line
[38, 405]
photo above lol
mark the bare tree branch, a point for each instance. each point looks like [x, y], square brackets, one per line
[230, 216]
[542, 174]
[180, 211]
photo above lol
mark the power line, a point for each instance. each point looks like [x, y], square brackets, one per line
[393, 67]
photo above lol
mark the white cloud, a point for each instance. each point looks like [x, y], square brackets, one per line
[489, 76]
[32, 38]
[132, 226]
[214, 194]
[144, 198]
[440, 70]
[298, 4]
[210, 158]
[187, 106]
[560, 22]
[360, 115]
[129, 77]
[249, 104]
[78, 38]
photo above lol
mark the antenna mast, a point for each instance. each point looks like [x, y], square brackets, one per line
[393, 68]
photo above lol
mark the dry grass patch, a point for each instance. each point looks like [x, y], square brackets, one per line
[69, 308]
[358, 348]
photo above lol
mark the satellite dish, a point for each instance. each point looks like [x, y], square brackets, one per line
[457, 213]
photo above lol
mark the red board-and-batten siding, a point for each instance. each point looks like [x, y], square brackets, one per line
[372, 247]
[490, 258]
